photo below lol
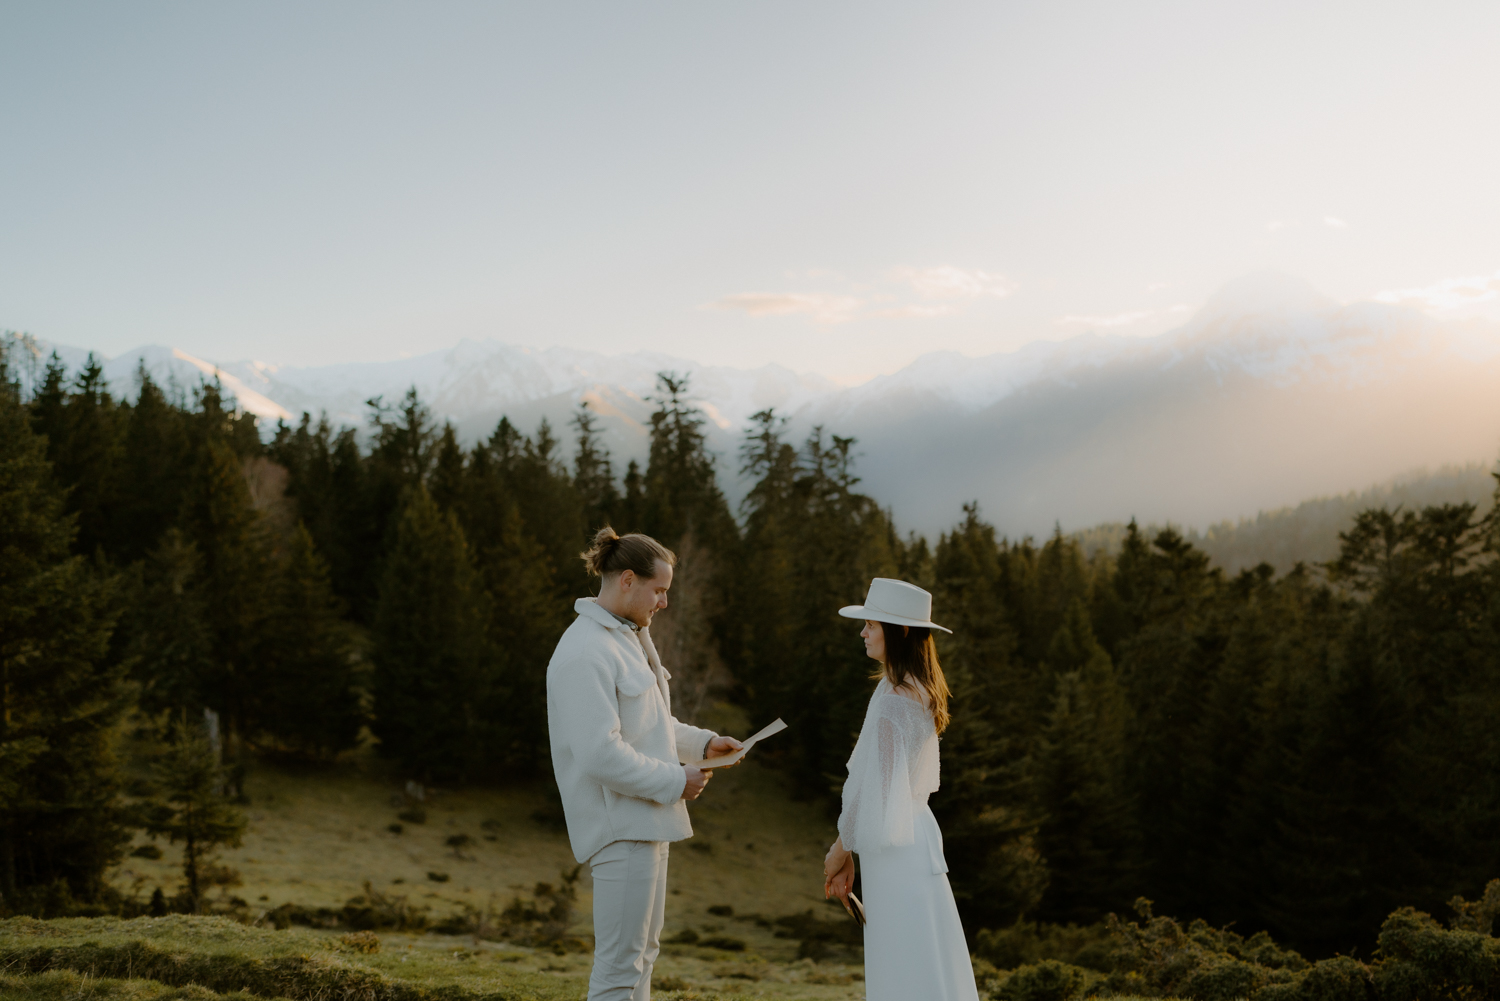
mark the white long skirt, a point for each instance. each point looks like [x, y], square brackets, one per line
[914, 945]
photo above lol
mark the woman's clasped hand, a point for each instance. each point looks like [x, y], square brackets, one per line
[838, 873]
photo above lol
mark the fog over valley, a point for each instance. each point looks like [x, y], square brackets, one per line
[1268, 395]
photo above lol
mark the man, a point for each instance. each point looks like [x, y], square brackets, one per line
[618, 755]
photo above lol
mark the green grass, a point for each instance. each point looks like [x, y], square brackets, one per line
[315, 836]
[65, 985]
[199, 957]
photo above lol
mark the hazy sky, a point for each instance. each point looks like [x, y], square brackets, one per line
[837, 187]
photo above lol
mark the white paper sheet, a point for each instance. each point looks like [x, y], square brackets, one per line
[719, 761]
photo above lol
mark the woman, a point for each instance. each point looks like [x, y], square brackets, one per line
[914, 945]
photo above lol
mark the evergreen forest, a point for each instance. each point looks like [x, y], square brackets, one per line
[1300, 753]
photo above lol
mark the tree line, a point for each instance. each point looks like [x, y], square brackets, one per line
[1300, 753]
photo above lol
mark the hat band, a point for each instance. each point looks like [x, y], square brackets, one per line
[916, 618]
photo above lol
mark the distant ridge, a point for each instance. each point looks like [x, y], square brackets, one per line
[1269, 394]
[1308, 532]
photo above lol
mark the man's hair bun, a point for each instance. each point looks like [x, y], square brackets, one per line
[612, 553]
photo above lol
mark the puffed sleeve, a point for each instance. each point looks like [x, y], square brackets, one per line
[878, 811]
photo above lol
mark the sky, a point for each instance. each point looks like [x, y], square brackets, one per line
[834, 187]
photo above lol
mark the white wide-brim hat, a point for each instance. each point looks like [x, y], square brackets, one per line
[896, 602]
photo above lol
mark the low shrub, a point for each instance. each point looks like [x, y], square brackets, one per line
[542, 921]
[66, 985]
[1418, 960]
[1029, 942]
[1048, 980]
[215, 953]
[1421, 960]
[816, 938]
[723, 943]
[371, 911]
[360, 941]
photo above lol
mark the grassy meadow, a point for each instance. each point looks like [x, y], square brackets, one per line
[317, 835]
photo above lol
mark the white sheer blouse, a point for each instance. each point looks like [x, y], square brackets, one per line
[893, 769]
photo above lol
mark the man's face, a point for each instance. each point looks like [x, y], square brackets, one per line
[643, 597]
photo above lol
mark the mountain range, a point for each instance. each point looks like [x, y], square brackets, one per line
[1271, 393]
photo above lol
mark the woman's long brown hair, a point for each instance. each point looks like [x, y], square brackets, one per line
[910, 654]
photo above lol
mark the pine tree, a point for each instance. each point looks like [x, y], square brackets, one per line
[61, 696]
[633, 501]
[190, 806]
[681, 491]
[447, 480]
[1169, 590]
[986, 805]
[168, 637]
[155, 465]
[551, 510]
[306, 697]
[435, 670]
[812, 544]
[83, 428]
[526, 623]
[233, 582]
[593, 474]
[1088, 835]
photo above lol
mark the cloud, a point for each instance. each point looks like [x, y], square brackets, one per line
[907, 312]
[1450, 293]
[1113, 320]
[948, 282]
[1334, 222]
[824, 308]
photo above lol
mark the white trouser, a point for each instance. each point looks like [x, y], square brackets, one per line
[630, 901]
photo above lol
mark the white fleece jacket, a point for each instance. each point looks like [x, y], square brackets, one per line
[617, 751]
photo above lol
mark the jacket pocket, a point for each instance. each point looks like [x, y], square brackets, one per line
[635, 680]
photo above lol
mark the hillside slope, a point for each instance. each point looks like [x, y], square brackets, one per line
[316, 836]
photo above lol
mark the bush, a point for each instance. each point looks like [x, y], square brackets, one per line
[542, 921]
[360, 941]
[371, 911]
[1048, 980]
[66, 985]
[1223, 979]
[179, 950]
[1029, 942]
[723, 943]
[1421, 960]
[1339, 979]
[1418, 960]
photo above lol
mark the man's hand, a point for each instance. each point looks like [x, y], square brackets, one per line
[722, 745]
[697, 778]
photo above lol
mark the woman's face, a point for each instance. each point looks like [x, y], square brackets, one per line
[874, 638]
